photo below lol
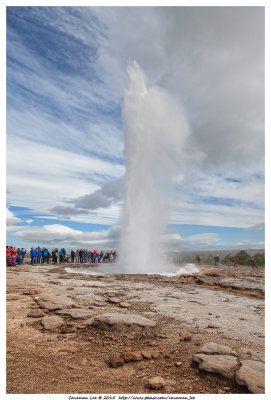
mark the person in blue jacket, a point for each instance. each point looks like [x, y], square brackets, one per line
[38, 250]
[19, 257]
[33, 255]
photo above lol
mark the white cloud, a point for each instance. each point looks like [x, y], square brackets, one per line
[11, 220]
[41, 176]
[29, 221]
[201, 241]
[60, 234]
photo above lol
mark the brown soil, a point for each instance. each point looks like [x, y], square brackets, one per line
[76, 360]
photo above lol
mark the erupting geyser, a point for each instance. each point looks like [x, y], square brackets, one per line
[155, 129]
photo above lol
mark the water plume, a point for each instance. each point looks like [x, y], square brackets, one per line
[155, 129]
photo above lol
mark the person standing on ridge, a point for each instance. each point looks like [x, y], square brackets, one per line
[253, 263]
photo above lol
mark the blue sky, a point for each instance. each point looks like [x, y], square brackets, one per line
[66, 75]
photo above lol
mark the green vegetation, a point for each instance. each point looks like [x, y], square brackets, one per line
[243, 257]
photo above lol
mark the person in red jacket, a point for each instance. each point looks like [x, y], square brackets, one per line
[8, 254]
[253, 262]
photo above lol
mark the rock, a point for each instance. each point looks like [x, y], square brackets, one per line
[251, 374]
[213, 326]
[123, 304]
[221, 364]
[179, 364]
[146, 355]
[126, 319]
[157, 382]
[214, 348]
[185, 336]
[53, 300]
[132, 356]
[115, 361]
[51, 322]
[113, 300]
[76, 313]
[84, 362]
[220, 391]
[36, 313]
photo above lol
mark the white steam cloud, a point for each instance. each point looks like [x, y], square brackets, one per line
[155, 129]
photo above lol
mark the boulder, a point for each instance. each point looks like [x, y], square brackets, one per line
[157, 382]
[36, 313]
[251, 374]
[51, 322]
[126, 319]
[221, 364]
[214, 348]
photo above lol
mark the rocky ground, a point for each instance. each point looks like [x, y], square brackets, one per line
[72, 333]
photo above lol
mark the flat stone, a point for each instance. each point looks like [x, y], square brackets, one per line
[221, 364]
[76, 313]
[123, 304]
[214, 348]
[53, 301]
[113, 300]
[251, 374]
[126, 319]
[157, 382]
[51, 322]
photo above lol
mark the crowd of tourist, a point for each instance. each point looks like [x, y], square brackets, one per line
[40, 255]
[15, 256]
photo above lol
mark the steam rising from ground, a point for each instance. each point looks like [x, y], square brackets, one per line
[155, 129]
